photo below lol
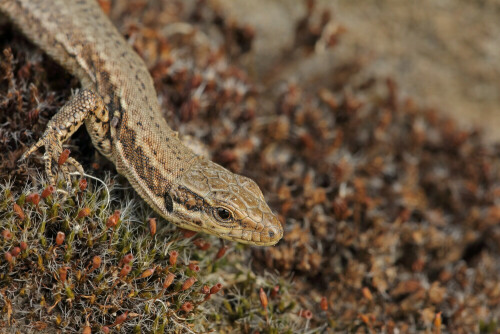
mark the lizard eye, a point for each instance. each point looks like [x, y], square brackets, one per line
[223, 214]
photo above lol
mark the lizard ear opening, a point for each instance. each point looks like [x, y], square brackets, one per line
[169, 204]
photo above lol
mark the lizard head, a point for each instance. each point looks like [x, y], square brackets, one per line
[210, 198]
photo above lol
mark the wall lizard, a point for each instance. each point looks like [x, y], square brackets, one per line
[119, 107]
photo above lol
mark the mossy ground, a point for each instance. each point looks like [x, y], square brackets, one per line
[67, 268]
[390, 210]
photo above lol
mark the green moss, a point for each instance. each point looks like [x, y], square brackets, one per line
[98, 295]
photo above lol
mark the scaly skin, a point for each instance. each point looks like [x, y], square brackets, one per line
[119, 107]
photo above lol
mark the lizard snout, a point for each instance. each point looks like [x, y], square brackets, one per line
[270, 234]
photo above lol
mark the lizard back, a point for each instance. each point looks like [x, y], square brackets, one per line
[122, 115]
[78, 35]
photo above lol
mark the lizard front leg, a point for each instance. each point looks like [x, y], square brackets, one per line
[63, 124]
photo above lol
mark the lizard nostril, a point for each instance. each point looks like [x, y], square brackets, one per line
[268, 235]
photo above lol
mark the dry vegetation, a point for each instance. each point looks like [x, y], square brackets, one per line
[390, 210]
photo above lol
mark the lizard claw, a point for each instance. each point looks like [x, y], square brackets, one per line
[32, 149]
[67, 177]
[53, 150]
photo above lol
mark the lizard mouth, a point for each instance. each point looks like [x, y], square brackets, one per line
[265, 236]
[268, 236]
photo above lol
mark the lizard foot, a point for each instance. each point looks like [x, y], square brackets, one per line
[62, 125]
[53, 151]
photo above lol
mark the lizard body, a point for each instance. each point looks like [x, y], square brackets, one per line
[119, 107]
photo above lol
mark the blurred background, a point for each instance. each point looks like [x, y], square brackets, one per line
[445, 52]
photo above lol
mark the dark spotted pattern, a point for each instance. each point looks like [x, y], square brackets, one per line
[188, 199]
[180, 186]
[142, 165]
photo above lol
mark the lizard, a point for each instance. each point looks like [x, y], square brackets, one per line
[118, 104]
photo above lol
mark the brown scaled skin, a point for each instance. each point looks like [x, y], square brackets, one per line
[120, 109]
[210, 198]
